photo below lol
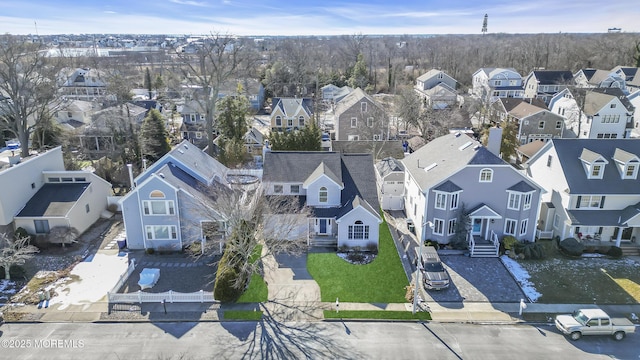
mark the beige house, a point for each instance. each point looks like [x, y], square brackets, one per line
[291, 113]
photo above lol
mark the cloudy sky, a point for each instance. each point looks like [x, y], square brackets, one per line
[312, 17]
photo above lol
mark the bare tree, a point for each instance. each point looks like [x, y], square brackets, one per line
[27, 87]
[14, 252]
[216, 59]
[63, 235]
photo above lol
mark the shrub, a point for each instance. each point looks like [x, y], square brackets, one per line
[224, 289]
[343, 248]
[372, 247]
[615, 252]
[508, 242]
[195, 248]
[571, 246]
[530, 250]
[355, 256]
[21, 233]
[150, 251]
[435, 244]
[15, 271]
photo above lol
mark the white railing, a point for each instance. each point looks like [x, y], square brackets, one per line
[167, 296]
[495, 241]
[472, 243]
[544, 234]
[124, 277]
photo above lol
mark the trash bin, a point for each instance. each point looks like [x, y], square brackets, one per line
[122, 243]
[411, 226]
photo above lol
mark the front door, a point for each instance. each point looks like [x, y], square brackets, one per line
[323, 226]
[476, 228]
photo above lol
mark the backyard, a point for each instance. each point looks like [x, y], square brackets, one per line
[381, 281]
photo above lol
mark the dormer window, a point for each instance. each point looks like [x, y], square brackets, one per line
[486, 175]
[596, 170]
[631, 171]
[627, 164]
[593, 163]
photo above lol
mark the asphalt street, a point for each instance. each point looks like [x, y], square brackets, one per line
[326, 340]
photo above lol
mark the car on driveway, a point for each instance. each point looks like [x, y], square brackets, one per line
[434, 275]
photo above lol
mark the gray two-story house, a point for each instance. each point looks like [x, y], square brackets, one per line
[455, 175]
[359, 117]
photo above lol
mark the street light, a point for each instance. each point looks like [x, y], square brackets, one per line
[419, 266]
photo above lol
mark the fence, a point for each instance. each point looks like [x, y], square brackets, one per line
[168, 296]
[124, 277]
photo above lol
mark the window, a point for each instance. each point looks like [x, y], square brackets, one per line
[486, 175]
[69, 114]
[192, 117]
[523, 226]
[156, 194]
[353, 137]
[86, 208]
[526, 201]
[370, 122]
[376, 137]
[359, 231]
[441, 201]
[53, 179]
[514, 201]
[594, 201]
[630, 171]
[595, 170]
[278, 120]
[42, 226]
[301, 121]
[277, 189]
[549, 159]
[454, 201]
[33, 185]
[438, 226]
[158, 207]
[613, 106]
[510, 226]
[541, 125]
[498, 82]
[558, 124]
[451, 229]
[363, 107]
[198, 135]
[67, 179]
[80, 179]
[323, 195]
[161, 232]
[354, 122]
[295, 189]
[556, 221]
[290, 122]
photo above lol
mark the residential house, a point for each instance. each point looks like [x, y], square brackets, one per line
[291, 113]
[73, 114]
[84, 84]
[592, 188]
[631, 76]
[454, 175]
[333, 94]
[43, 195]
[390, 181]
[359, 117]
[543, 84]
[173, 202]
[634, 99]
[490, 84]
[100, 136]
[339, 188]
[437, 89]
[252, 89]
[193, 127]
[542, 125]
[597, 78]
[254, 142]
[514, 109]
[606, 113]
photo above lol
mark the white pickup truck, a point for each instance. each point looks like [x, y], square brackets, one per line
[593, 322]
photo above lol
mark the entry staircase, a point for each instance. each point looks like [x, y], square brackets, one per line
[484, 248]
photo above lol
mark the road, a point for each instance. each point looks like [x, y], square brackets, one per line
[323, 340]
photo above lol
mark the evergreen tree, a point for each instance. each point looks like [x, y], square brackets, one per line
[154, 141]
[636, 57]
[510, 140]
[305, 139]
[359, 77]
[461, 229]
[232, 119]
[147, 82]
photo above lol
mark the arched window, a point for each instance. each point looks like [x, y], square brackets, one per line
[278, 120]
[157, 194]
[301, 121]
[359, 231]
[323, 195]
[486, 175]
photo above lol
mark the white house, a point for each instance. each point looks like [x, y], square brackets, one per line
[493, 83]
[390, 181]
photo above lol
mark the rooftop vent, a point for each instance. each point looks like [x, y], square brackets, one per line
[465, 145]
[430, 166]
[161, 175]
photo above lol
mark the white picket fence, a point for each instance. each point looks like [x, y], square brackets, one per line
[124, 277]
[167, 296]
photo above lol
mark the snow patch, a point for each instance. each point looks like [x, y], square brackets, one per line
[522, 277]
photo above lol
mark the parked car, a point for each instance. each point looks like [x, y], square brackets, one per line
[593, 322]
[434, 275]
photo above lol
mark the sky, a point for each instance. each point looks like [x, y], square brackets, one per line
[311, 17]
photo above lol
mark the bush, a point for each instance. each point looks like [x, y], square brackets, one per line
[150, 251]
[615, 252]
[508, 242]
[435, 244]
[15, 271]
[571, 246]
[372, 247]
[226, 276]
[21, 233]
[355, 256]
[530, 250]
[343, 248]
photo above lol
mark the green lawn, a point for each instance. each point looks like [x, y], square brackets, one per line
[257, 290]
[242, 315]
[376, 314]
[381, 281]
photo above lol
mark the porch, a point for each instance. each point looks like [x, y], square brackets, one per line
[630, 247]
[323, 232]
[480, 247]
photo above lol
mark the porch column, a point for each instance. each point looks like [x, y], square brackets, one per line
[619, 237]
[486, 228]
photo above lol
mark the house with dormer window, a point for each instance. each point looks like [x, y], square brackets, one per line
[437, 89]
[340, 189]
[172, 203]
[592, 188]
[489, 84]
[543, 84]
[291, 113]
[455, 173]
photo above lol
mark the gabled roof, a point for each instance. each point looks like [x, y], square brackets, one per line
[531, 148]
[254, 134]
[484, 210]
[543, 115]
[84, 77]
[322, 170]
[509, 104]
[597, 98]
[191, 107]
[504, 73]
[600, 75]
[289, 106]
[352, 99]
[448, 186]
[522, 186]
[553, 77]
[297, 166]
[440, 89]
[432, 73]
[525, 109]
[569, 152]
[588, 73]
[450, 153]
[388, 165]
